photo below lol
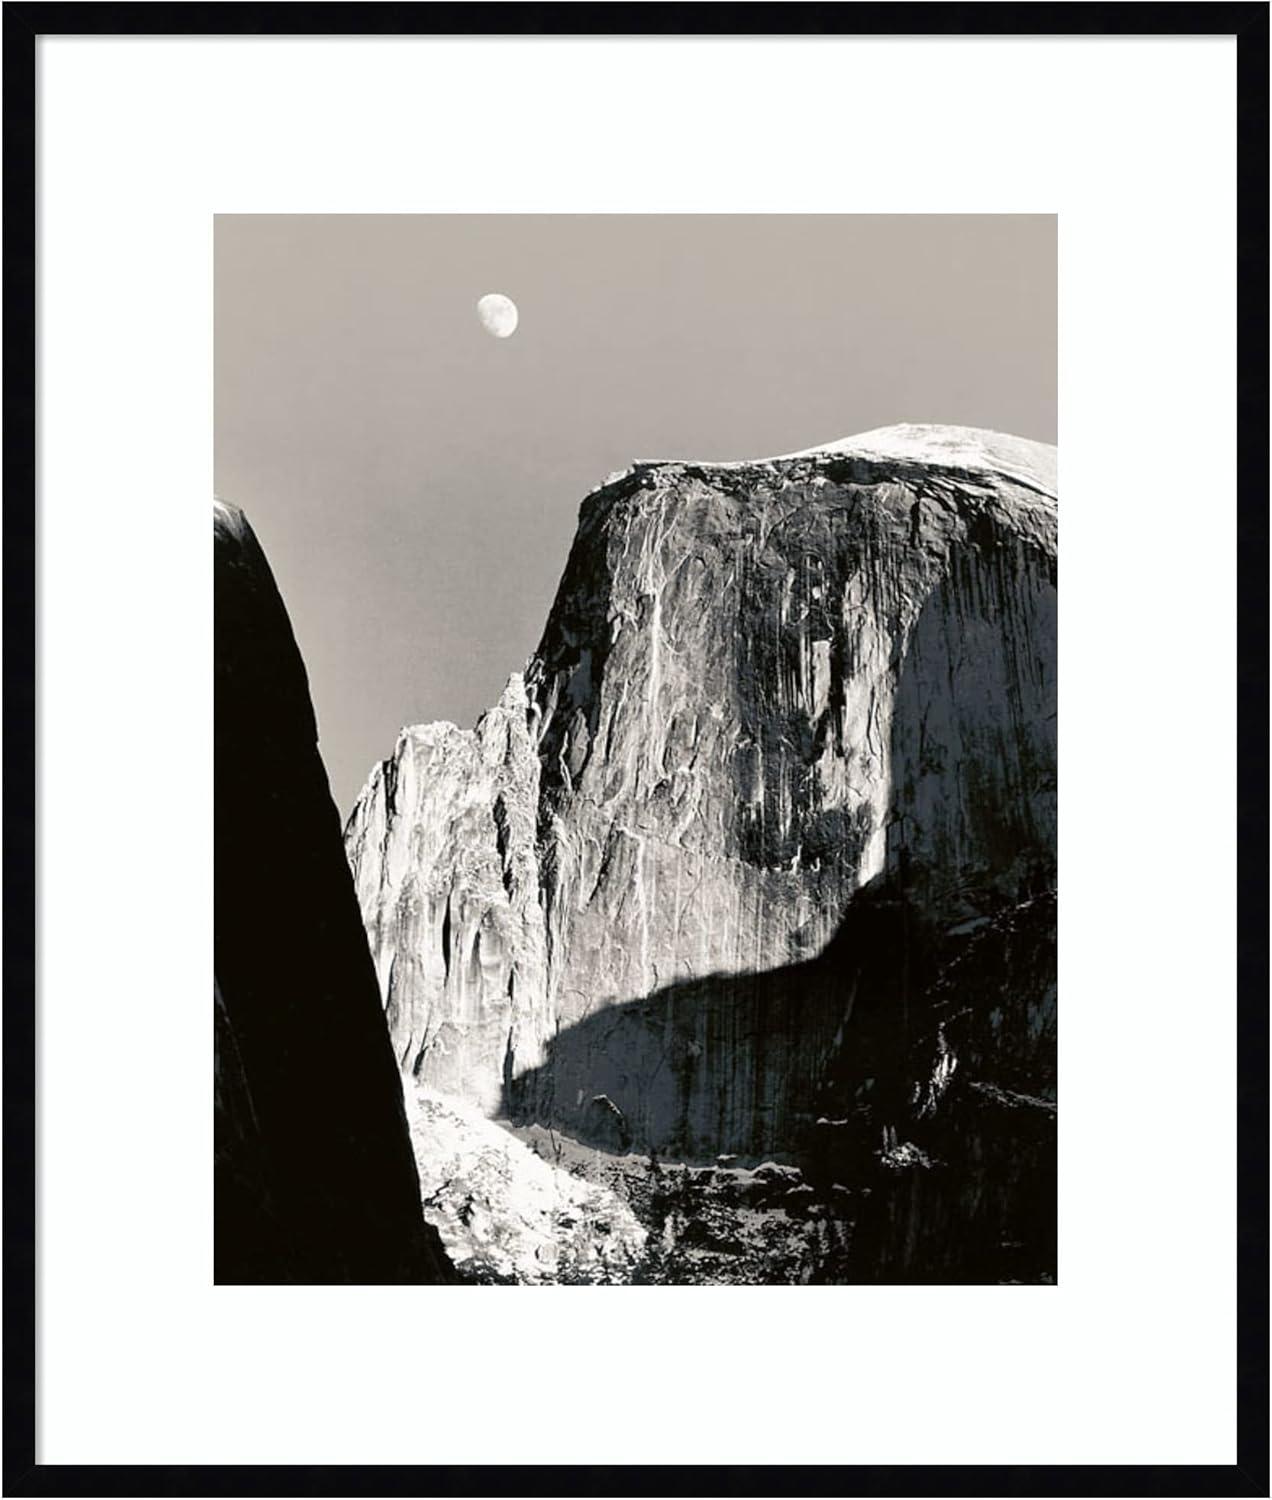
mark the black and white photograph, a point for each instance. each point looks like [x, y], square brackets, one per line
[636, 724]
[621, 772]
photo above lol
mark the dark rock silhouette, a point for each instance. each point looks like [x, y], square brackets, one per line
[315, 1177]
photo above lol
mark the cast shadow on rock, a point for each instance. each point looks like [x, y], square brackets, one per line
[928, 1021]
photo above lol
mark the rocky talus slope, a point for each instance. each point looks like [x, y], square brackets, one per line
[756, 856]
[315, 1179]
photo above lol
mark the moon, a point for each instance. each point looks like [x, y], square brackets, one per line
[498, 315]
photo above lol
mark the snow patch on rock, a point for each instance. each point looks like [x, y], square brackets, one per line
[506, 1215]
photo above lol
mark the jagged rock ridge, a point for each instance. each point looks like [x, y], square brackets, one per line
[774, 703]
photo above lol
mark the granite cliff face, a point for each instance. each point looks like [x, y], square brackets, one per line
[444, 857]
[701, 878]
[314, 1173]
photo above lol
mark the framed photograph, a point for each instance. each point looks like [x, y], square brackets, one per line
[648, 824]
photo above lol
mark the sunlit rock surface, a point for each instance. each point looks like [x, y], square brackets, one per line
[442, 848]
[512, 1212]
[791, 724]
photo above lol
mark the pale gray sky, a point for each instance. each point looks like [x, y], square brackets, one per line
[415, 482]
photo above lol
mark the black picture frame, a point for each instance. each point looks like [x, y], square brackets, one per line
[23, 25]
